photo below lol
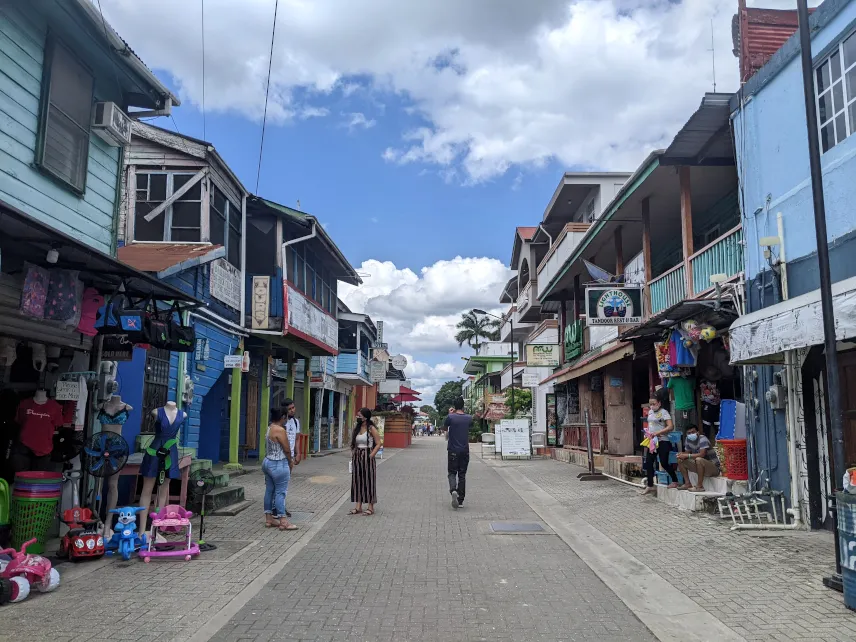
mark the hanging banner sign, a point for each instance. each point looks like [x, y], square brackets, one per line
[377, 371]
[613, 305]
[67, 391]
[542, 354]
[116, 347]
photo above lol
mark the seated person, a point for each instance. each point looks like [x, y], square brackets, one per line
[699, 457]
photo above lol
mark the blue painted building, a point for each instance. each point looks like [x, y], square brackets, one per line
[184, 222]
[780, 339]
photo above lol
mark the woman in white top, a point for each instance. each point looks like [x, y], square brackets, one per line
[277, 467]
[659, 427]
[365, 442]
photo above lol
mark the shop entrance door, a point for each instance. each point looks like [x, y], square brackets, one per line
[847, 373]
[156, 386]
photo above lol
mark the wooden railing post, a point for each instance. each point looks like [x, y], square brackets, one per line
[687, 226]
[646, 252]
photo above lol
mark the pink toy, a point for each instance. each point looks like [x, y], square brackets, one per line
[170, 519]
[28, 571]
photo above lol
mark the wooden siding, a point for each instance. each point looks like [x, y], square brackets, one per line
[90, 218]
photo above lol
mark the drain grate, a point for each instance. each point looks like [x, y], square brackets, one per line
[516, 527]
[298, 516]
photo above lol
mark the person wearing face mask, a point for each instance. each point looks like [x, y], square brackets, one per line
[699, 457]
[659, 426]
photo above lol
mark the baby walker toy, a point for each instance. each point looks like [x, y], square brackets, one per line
[170, 519]
[125, 539]
[24, 572]
[82, 541]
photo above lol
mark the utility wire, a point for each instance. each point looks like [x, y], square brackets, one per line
[267, 93]
[203, 70]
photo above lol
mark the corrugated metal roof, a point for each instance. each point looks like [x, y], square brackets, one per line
[157, 257]
[526, 233]
[758, 34]
[704, 138]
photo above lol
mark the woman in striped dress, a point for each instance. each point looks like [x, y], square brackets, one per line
[365, 442]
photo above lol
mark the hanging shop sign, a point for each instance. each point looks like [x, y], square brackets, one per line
[304, 316]
[261, 302]
[552, 419]
[377, 371]
[530, 380]
[379, 344]
[233, 361]
[117, 347]
[542, 355]
[573, 340]
[224, 283]
[613, 305]
[515, 438]
[67, 391]
[399, 362]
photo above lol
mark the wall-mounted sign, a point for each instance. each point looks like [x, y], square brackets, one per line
[389, 387]
[304, 316]
[613, 305]
[596, 382]
[260, 302]
[530, 380]
[67, 391]
[399, 362]
[379, 342]
[552, 419]
[224, 283]
[245, 362]
[573, 340]
[233, 361]
[542, 354]
[116, 347]
[377, 371]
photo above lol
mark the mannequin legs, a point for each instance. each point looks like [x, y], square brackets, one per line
[146, 499]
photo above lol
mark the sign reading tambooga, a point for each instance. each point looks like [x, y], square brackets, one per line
[542, 354]
[613, 305]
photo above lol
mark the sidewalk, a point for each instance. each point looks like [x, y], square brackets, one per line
[763, 586]
[171, 599]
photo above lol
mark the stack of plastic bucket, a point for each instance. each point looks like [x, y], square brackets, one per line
[34, 502]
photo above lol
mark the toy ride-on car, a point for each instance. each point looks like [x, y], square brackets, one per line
[82, 541]
[25, 572]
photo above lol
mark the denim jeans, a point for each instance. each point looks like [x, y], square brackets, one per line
[458, 463]
[277, 475]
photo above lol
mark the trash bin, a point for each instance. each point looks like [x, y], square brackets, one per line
[847, 539]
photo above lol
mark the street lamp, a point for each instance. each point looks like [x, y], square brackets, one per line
[511, 320]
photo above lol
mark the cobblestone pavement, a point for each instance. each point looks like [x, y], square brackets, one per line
[170, 599]
[763, 587]
[418, 570]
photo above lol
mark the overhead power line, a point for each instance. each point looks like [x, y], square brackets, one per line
[267, 93]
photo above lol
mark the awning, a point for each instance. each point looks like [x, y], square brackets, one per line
[763, 336]
[26, 238]
[405, 398]
[591, 362]
[706, 311]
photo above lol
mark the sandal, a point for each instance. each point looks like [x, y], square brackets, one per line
[272, 524]
[369, 512]
[288, 527]
[697, 489]
[354, 511]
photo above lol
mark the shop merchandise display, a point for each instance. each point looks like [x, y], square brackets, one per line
[112, 416]
[38, 418]
[125, 540]
[160, 461]
[82, 541]
[170, 520]
[27, 572]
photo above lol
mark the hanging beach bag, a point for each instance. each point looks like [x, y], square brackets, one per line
[182, 337]
[157, 327]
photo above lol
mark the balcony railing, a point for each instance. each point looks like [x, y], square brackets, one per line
[668, 289]
[723, 256]
[560, 252]
[352, 363]
[527, 299]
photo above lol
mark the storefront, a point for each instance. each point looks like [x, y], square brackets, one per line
[55, 374]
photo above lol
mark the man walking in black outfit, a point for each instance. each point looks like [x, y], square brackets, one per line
[457, 427]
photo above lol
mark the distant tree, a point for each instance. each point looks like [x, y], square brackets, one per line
[519, 403]
[431, 411]
[472, 328]
[445, 397]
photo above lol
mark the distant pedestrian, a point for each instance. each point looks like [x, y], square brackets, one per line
[458, 426]
[276, 467]
[659, 427]
[292, 429]
[365, 442]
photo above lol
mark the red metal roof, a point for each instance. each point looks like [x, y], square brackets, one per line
[156, 257]
[526, 233]
[757, 34]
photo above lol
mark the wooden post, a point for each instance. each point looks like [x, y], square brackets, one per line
[264, 407]
[289, 382]
[307, 405]
[646, 252]
[578, 298]
[619, 253]
[687, 226]
[235, 413]
[563, 323]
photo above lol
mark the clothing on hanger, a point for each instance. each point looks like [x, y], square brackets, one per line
[38, 422]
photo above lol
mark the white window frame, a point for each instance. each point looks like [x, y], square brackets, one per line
[167, 213]
[848, 100]
[229, 207]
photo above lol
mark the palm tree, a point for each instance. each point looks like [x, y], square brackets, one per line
[472, 328]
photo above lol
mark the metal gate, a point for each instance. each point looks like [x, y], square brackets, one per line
[156, 386]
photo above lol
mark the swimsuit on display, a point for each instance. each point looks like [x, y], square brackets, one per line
[113, 420]
[166, 435]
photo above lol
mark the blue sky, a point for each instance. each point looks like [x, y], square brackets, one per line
[422, 132]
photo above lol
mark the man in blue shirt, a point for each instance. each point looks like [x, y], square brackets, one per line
[457, 427]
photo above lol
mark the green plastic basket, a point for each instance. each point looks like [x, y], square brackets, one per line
[4, 502]
[32, 518]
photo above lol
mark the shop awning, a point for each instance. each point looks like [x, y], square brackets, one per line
[705, 311]
[26, 238]
[763, 336]
[405, 398]
[590, 363]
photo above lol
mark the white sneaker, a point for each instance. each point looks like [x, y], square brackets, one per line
[455, 499]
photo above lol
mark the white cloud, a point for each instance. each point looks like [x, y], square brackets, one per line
[498, 83]
[314, 112]
[358, 120]
[374, 219]
[428, 379]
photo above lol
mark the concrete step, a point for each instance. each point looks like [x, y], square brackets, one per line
[221, 480]
[701, 502]
[197, 464]
[246, 469]
[217, 499]
[233, 509]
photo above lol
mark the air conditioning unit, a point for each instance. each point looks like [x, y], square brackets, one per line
[111, 124]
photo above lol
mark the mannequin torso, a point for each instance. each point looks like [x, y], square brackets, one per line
[40, 397]
[114, 413]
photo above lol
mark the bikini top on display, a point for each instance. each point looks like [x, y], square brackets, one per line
[113, 420]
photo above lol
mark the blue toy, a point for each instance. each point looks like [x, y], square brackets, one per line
[125, 539]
